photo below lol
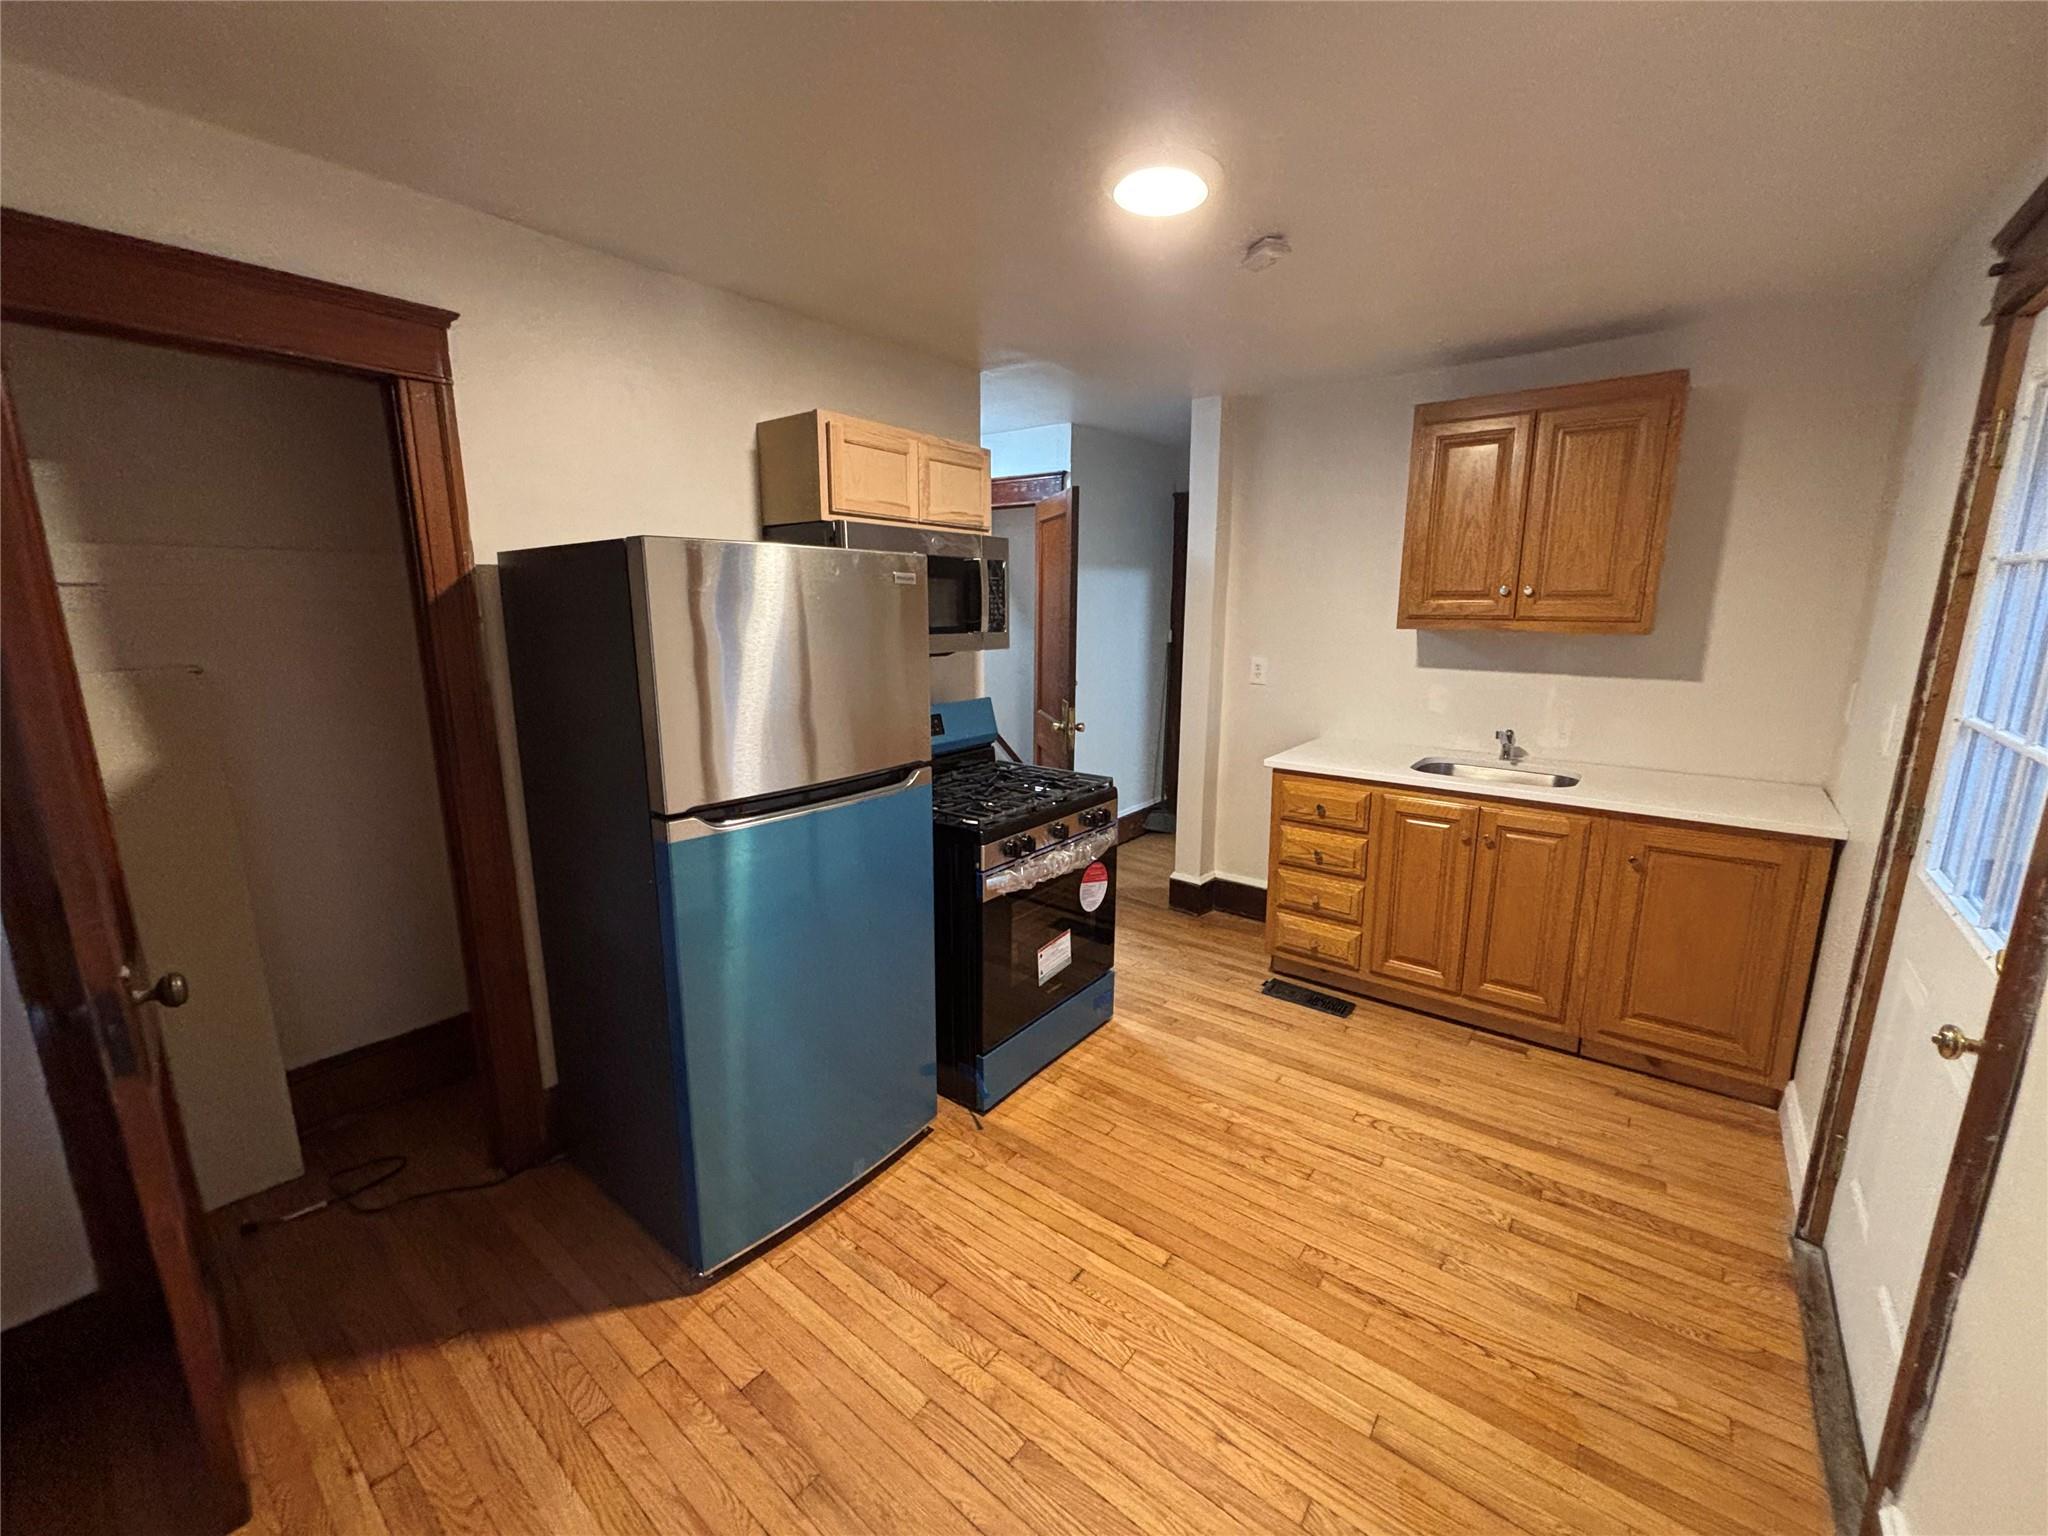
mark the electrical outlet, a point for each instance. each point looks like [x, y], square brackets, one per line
[1259, 671]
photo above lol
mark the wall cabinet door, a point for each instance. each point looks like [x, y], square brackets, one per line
[1589, 533]
[1526, 877]
[1465, 494]
[1421, 877]
[1704, 943]
[871, 471]
[953, 484]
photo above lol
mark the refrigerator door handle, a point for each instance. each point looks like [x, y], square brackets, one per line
[682, 828]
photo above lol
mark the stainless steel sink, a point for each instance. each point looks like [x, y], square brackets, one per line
[1493, 773]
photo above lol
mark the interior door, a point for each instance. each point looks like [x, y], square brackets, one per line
[1421, 853]
[1526, 883]
[1593, 478]
[1053, 726]
[87, 987]
[1466, 487]
[1942, 969]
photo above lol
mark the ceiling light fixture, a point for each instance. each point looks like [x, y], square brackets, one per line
[1160, 191]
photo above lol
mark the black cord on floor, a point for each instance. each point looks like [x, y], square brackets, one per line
[388, 1167]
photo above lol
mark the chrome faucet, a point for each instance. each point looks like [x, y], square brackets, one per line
[1509, 752]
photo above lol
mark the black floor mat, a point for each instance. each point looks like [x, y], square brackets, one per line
[1308, 997]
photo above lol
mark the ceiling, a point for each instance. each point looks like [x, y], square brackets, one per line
[1456, 180]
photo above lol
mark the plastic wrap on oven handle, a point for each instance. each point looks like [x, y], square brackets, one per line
[1049, 865]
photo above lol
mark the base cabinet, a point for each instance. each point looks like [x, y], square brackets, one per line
[1705, 946]
[1675, 949]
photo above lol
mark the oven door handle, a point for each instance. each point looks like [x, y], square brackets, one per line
[1038, 869]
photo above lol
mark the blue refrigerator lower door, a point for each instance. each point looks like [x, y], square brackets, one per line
[801, 1005]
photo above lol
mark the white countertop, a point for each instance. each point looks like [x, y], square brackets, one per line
[1763, 805]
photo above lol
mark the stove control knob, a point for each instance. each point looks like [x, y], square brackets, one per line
[1056, 831]
[1017, 847]
[1098, 817]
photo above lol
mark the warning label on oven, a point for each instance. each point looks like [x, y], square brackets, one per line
[1055, 956]
[1094, 885]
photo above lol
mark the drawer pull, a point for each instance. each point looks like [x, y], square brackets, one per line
[1315, 903]
[1318, 853]
[1319, 809]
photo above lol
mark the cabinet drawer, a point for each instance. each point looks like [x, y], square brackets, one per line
[1330, 853]
[1323, 802]
[1318, 942]
[1334, 901]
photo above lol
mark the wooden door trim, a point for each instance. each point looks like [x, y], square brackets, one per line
[75, 278]
[1040, 629]
[2019, 247]
[1024, 490]
[1176, 648]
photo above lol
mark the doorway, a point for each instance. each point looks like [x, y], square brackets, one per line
[228, 539]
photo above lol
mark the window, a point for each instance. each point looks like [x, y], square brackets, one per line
[1997, 773]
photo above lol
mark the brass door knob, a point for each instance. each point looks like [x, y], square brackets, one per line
[171, 991]
[1952, 1042]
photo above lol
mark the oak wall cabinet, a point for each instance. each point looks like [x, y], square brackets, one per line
[1542, 510]
[1672, 948]
[823, 464]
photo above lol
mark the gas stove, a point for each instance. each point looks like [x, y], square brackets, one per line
[1024, 898]
[1017, 809]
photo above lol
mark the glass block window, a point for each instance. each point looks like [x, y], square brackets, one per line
[1997, 771]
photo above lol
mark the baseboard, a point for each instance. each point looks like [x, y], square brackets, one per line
[382, 1072]
[1827, 1374]
[1218, 893]
[1798, 1141]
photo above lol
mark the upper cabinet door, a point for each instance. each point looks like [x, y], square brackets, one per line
[1526, 882]
[1465, 495]
[1422, 874]
[953, 480]
[871, 471]
[1595, 525]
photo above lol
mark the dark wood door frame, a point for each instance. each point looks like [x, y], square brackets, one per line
[2021, 293]
[73, 278]
[1055, 633]
[1025, 490]
[1176, 620]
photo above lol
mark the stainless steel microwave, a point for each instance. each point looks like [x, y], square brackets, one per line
[967, 575]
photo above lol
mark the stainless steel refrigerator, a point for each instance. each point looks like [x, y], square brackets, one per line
[725, 752]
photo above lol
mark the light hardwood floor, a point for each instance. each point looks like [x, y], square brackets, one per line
[1230, 1265]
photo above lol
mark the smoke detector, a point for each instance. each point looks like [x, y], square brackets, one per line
[1264, 252]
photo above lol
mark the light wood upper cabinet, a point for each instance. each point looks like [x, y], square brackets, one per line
[953, 480]
[1542, 510]
[1422, 872]
[1705, 943]
[1465, 492]
[822, 464]
[871, 471]
[1525, 909]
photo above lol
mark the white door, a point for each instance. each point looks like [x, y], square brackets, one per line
[156, 733]
[1989, 785]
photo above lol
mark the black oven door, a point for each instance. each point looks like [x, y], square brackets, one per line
[1041, 946]
[954, 585]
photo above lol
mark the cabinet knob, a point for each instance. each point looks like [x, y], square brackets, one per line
[1487, 840]
[1528, 591]
[1319, 809]
[1635, 862]
[1318, 854]
[1951, 1042]
[1503, 589]
[1315, 903]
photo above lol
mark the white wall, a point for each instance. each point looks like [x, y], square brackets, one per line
[1030, 450]
[1948, 345]
[1123, 609]
[44, 1259]
[1787, 447]
[244, 519]
[1011, 674]
[597, 398]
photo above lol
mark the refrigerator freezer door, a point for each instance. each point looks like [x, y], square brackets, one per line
[801, 1006]
[766, 668]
